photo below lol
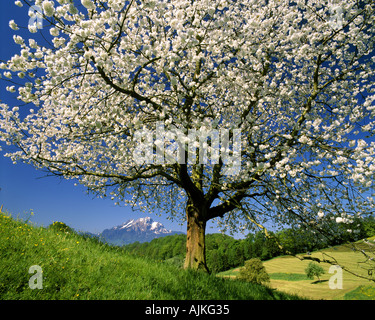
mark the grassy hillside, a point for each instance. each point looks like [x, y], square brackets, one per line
[287, 273]
[75, 267]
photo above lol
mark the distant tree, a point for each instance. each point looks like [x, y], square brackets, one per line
[314, 270]
[165, 252]
[247, 246]
[235, 254]
[369, 227]
[179, 246]
[254, 271]
[215, 261]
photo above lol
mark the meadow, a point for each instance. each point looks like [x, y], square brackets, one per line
[287, 274]
[79, 267]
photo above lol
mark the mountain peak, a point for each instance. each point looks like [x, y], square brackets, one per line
[142, 230]
[145, 224]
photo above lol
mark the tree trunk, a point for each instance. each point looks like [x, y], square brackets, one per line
[195, 243]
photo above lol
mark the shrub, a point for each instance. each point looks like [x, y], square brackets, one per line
[314, 269]
[60, 227]
[254, 272]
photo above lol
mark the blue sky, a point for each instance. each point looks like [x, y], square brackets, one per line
[53, 199]
[24, 188]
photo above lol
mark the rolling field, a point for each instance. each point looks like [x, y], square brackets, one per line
[77, 267]
[74, 267]
[287, 274]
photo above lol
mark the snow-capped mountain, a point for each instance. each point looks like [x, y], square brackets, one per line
[142, 230]
[143, 225]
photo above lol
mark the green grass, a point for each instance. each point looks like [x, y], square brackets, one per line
[361, 293]
[288, 276]
[75, 267]
[233, 273]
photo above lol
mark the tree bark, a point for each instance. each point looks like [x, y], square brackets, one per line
[195, 243]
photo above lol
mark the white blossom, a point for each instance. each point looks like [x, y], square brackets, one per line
[88, 4]
[33, 28]
[11, 89]
[54, 32]
[300, 92]
[8, 74]
[48, 8]
[18, 39]
[13, 25]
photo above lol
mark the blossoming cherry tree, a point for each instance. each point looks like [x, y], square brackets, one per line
[296, 78]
